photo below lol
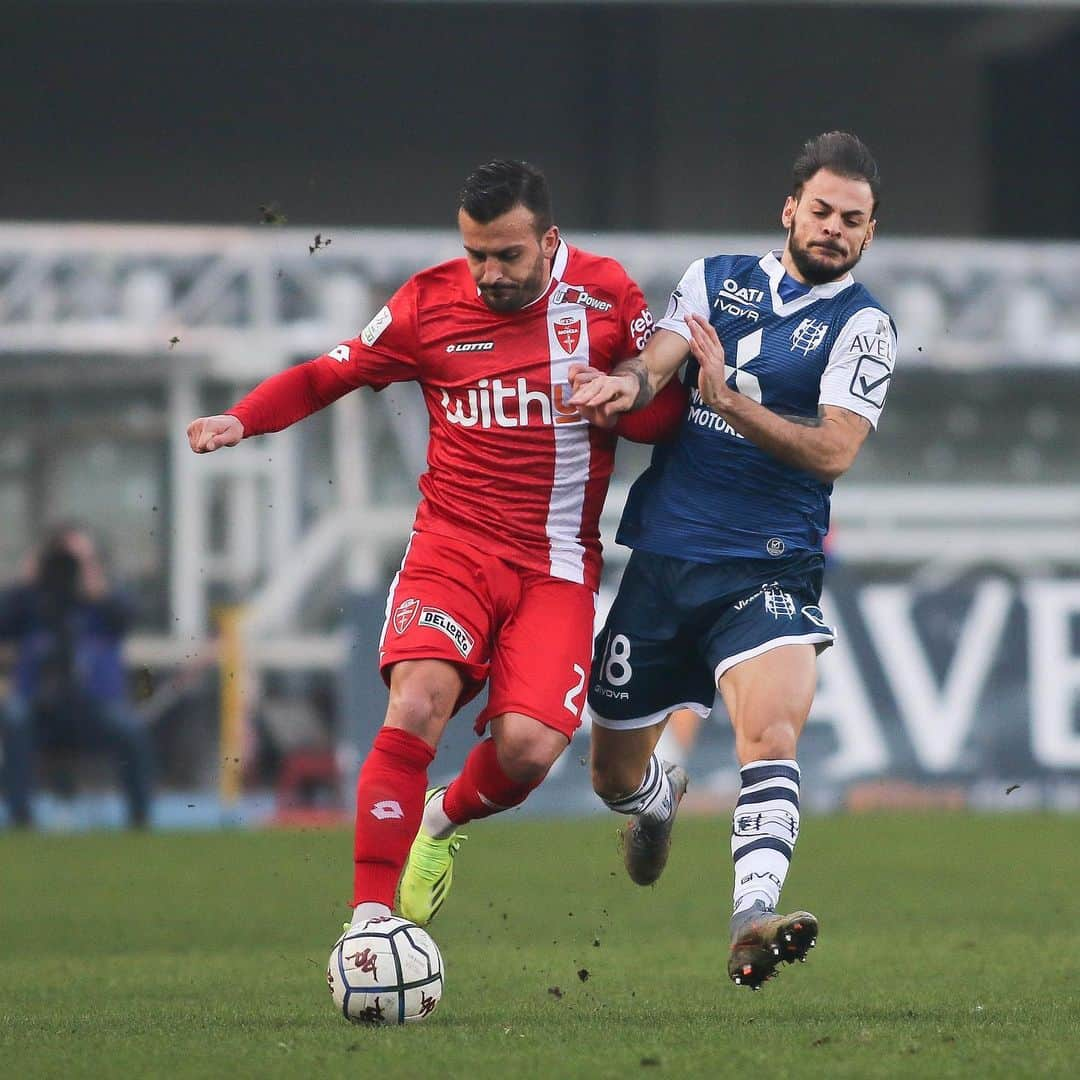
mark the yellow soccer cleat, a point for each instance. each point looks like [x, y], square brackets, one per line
[428, 874]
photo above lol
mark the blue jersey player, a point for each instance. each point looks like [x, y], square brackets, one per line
[788, 361]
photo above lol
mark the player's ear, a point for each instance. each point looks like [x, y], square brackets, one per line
[787, 215]
[869, 237]
[549, 242]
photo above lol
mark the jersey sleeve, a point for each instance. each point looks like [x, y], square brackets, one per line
[384, 352]
[691, 297]
[659, 420]
[636, 321]
[860, 366]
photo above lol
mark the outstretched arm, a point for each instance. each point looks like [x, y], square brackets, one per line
[277, 402]
[384, 352]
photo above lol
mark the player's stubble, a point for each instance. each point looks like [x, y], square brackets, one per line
[506, 296]
[815, 270]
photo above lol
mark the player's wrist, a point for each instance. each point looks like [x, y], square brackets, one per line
[638, 392]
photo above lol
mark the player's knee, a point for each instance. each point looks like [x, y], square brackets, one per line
[527, 758]
[418, 709]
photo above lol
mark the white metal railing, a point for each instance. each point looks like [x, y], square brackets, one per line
[243, 302]
[251, 295]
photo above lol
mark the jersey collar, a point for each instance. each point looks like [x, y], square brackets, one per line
[774, 270]
[558, 268]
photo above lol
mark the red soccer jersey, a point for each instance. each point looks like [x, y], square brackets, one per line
[511, 468]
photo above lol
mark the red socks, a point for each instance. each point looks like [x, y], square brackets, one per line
[389, 805]
[483, 788]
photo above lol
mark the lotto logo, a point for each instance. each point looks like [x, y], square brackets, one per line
[386, 809]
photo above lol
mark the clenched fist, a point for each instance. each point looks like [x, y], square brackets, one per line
[210, 433]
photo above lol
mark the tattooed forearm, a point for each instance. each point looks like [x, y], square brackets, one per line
[804, 421]
[636, 368]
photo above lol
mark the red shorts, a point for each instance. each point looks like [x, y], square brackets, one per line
[529, 633]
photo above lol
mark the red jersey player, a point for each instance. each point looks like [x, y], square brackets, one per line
[499, 578]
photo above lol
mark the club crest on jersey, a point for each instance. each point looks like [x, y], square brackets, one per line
[808, 335]
[405, 613]
[568, 294]
[568, 333]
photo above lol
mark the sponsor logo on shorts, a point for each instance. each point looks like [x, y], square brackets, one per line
[745, 603]
[775, 546]
[442, 622]
[778, 603]
[614, 695]
[816, 616]
[405, 613]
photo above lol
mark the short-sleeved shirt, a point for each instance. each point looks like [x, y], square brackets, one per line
[512, 468]
[711, 493]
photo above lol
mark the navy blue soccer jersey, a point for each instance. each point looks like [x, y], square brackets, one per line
[710, 493]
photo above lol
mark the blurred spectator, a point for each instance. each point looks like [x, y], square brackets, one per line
[69, 687]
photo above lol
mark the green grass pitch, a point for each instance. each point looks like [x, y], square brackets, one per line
[949, 947]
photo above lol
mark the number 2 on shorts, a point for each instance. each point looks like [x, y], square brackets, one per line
[574, 690]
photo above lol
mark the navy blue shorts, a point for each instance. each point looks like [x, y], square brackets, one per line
[676, 626]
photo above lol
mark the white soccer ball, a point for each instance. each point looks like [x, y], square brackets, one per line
[385, 971]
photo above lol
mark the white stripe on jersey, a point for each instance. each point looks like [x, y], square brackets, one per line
[573, 452]
[390, 596]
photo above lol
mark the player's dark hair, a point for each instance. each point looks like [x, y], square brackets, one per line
[842, 153]
[499, 186]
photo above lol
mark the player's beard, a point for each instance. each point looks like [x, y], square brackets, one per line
[513, 296]
[817, 271]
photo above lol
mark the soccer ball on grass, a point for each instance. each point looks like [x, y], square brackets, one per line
[385, 971]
